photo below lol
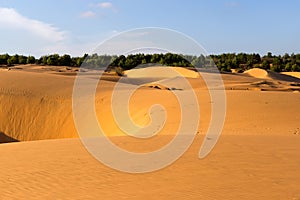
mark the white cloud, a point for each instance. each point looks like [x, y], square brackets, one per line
[11, 19]
[94, 10]
[105, 5]
[88, 14]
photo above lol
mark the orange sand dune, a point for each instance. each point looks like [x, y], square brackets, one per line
[263, 74]
[240, 167]
[256, 72]
[294, 74]
[257, 156]
[38, 106]
[160, 71]
[35, 106]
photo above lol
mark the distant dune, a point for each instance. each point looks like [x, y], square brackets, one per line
[162, 72]
[264, 74]
[294, 74]
[257, 73]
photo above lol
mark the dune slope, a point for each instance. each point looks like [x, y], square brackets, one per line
[256, 157]
[37, 105]
[240, 167]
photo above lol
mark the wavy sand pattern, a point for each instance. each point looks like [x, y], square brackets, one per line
[257, 156]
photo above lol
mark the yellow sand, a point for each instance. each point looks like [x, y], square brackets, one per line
[257, 73]
[164, 72]
[38, 104]
[257, 156]
[240, 167]
[294, 74]
[264, 74]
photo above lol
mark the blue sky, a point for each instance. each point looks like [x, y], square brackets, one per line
[78, 26]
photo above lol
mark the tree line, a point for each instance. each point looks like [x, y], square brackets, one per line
[224, 62]
[243, 61]
[52, 60]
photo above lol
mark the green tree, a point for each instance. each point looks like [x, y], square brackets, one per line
[64, 60]
[13, 60]
[30, 60]
[265, 65]
[288, 67]
[269, 55]
[3, 59]
[276, 65]
[198, 61]
[295, 68]
[22, 59]
[53, 59]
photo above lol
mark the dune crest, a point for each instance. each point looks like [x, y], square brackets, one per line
[161, 71]
[294, 74]
[257, 73]
[175, 83]
[264, 74]
[36, 104]
[162, 77]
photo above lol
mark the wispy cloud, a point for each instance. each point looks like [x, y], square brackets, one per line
[105, 5]
[87, 14]
[101, 10]
[11, 19]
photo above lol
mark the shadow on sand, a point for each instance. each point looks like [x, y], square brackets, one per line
[6, 139]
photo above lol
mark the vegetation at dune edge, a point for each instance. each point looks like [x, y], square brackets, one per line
[225, 62]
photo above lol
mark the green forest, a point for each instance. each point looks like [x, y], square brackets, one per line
[225, 62]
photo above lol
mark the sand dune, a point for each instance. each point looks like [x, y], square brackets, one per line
[159, 77]
[175, 83]
[240, 167]
[37, 106]
[163, 72]
[257, 73]
[294, 74]
[257, 156]
[264, 74]
[283, 77]
[268, 80]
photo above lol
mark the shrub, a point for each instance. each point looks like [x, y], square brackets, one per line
[119, 71]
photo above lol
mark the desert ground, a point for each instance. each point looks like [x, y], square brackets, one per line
[42, 157]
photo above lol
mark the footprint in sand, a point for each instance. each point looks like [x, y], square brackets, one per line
[297, 131]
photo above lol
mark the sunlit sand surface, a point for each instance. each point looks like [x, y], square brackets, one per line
[256, 157]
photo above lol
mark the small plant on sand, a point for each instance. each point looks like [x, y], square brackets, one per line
[119, 71]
